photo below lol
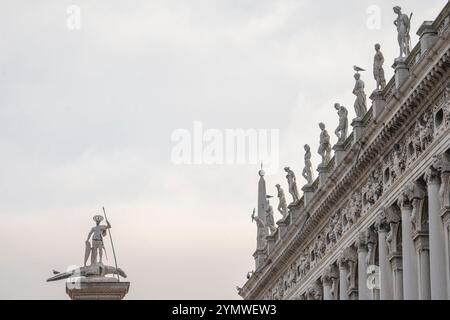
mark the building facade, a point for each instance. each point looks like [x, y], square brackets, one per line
[375, 224]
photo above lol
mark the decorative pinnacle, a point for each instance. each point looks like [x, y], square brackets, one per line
[261, 172]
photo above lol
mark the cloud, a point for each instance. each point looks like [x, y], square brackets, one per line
[87, 117]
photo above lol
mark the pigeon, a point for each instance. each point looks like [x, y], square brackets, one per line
[358, 69]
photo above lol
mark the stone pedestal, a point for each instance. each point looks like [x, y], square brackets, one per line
[323, 174]
[308, 192]
[358, 129]
[283, 225]
[428, 36]
[97, 288]
[260, 256]
[271, 240]
[401, 71]
[378, 103]
[339, 152]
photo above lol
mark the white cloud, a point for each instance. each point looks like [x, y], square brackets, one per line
[87, 117]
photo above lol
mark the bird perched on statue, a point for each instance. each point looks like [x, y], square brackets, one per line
[358, 69]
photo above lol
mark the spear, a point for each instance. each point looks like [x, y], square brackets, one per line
[112, 243]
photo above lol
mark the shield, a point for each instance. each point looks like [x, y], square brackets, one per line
[87, 252]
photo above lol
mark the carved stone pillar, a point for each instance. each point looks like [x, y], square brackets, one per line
[371, 238]
[327, 283]
[410, 277]
[351, 257]
[437, 237]
[395, 250]
[385, 267]
[334, 276]
[363, 290]
[444, 195]
[419, 224]
[343, 282]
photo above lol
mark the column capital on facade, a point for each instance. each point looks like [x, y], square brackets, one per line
[381, 223]
[361, 242]
[432, 174]
[404, 201]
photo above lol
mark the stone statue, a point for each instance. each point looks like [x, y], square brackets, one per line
[96, 269]
[325, 146]
[361, 101]
[282, 204]
[307, 170]
[292, 182]
[262, 230]
[378, 71]
[403, 24]
[341, 130]
[270, 222]
[97, 247]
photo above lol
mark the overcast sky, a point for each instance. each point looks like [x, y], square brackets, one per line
[87, 115]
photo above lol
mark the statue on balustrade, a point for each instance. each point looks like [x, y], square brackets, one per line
[270, 222]
[325, 145]
[341, 130]
[307, 170]
[292, 182]
[282, 204]
[403, 24]
[361, 100]
[378, 71]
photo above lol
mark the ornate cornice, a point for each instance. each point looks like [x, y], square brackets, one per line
[427, 76]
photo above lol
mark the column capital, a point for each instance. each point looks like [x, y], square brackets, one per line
[404, 201]
[381, 223]
[371, 235]
[432, 175]
[342, 262]
[361, 242]
[330, 273]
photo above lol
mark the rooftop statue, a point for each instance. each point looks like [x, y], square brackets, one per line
[307, 170]
[94, 250]
[262, 230]
[378, 71]
[403, 24]
[292, 182]
[358, 91]
[341, 130]
[325, 145]
[282, 204]
[270, 222]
